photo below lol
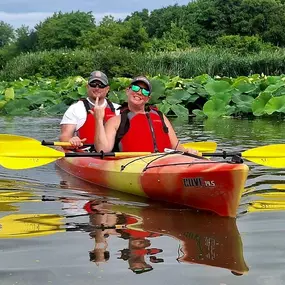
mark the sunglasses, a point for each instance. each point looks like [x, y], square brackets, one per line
[95, 84]
[137, 88]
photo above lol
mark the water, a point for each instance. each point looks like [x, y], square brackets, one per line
[49, 222]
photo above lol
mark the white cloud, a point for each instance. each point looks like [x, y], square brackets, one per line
[27, 19]
[33, 18]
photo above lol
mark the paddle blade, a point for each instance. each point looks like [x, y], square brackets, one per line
[206, 146]
[27, 155]
[8, 138]
[262, 206]
[269, 155]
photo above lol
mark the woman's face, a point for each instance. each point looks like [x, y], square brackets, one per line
[136, 97]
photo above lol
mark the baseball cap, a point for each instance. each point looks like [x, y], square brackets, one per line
[142, 79]
[100, 76]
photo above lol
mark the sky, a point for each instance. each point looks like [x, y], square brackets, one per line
[31, 12]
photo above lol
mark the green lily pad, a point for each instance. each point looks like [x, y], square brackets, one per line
[17, 107]
[164, 107]
[214, 108]
[9, 94]
[82, 90]
[58, 109]
[180, 111]
[243, 102]
[275, 104]
[2, 103]
[218, 87]
[245, 87]
[199, 113]
[181, 94]
[259, 103]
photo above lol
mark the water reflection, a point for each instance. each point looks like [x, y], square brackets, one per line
[202, 238]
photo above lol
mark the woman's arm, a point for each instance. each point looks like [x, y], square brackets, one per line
[174, 140]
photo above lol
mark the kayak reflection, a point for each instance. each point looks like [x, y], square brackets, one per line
[203, 238]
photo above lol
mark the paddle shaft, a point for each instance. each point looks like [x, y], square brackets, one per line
[62, 144]
[223, 154]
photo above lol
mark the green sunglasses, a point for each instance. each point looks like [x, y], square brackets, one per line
[137, 88]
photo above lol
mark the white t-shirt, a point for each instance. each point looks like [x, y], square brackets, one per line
[76, 114]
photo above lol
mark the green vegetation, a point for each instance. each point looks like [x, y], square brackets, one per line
[173, 41]
[203, 96]
[220, 46]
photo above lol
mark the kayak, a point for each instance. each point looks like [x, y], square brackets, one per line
[174, 177]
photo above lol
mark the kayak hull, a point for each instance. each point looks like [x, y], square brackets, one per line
[175, 178]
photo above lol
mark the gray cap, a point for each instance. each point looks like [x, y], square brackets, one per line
[100, 76]
[142, 79]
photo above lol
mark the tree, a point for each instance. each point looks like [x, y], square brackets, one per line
[160, 20]
[107, 34]
[62, 30]
[143, 15]
[134, 35]
[6, 33]
[265, 18]
[26, 40]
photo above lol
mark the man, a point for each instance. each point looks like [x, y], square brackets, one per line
[136, 129]
[77, 124]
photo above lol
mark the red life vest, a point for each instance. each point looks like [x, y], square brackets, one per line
[142, 132]
[88, 129]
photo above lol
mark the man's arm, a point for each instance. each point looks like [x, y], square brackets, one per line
[67, 132]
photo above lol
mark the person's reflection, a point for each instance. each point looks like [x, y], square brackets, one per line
[138, 240]
[100, 216]
[138, 248]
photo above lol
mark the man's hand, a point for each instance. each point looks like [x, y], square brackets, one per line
[98, 111]
[77, 142]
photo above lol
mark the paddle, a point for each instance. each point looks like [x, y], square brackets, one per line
[22, 153]
[268, 155]
[205, 146]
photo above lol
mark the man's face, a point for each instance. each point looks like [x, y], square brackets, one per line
[97, 89]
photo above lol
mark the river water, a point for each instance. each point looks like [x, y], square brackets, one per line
[49, 221]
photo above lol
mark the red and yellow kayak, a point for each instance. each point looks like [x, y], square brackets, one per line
[170, 177]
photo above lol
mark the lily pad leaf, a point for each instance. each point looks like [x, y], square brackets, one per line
[180, 111]
[82, 90]
[9, 94]
[216, 87]
[164, 107]
[17, 107]
[243, 102]
[56, 109]
[214, 108]
[199, 113]
[259, 103]
[275, 104]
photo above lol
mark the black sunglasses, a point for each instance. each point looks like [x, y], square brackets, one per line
[95, 84]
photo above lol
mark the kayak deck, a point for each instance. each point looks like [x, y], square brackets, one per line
[171, 177]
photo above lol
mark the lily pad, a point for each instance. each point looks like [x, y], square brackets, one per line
[217, 87]
[9, 94]
[214, 108]
[180, 111]
[275, 104]
[259, 103]
[243, 102]
[164, 107]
